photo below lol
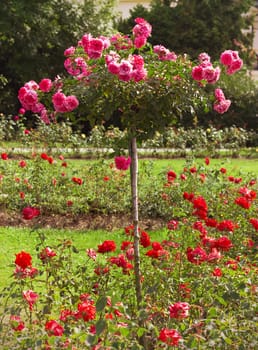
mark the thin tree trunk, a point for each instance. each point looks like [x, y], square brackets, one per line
[137, 271]
[134, 189]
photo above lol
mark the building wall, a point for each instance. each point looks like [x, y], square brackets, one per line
[124, 6]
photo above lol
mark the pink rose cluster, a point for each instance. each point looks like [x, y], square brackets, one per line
[231, 60]
[221, 104]
[126, 69]
[205, 70]
[63, 103]
[29, 97]
[164, 54]
[94, 47]
[141, 31]
[76, 67]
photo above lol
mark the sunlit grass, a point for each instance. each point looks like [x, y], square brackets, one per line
[13, 240]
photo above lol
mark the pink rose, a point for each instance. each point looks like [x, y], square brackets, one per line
[31, 297]
[45, 85]
[219, 94]
[58, 98]
[122, 163]
[113, 67]
[221, 106]
[70, 51]
[226, 57]
[95, 48]
[197, 73]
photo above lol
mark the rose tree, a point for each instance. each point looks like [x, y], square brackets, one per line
[150, 87]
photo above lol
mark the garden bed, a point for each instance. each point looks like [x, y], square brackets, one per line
[78, 221]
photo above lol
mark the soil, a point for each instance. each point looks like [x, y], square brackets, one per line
[78, 222]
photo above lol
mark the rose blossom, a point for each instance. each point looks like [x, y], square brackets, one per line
[122, 163]
[179, 310]
[23, 259]
[221, 106]
[31, 297]
[45, 85]
[29, 213]
[16, 323]
[107, 246]
[53, 328]
[169, 336]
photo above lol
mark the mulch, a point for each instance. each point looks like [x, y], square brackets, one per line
[78, 222]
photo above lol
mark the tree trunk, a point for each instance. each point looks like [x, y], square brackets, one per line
[134, 190]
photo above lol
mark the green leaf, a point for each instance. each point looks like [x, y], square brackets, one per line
[100, 326]
[140, 331]
[124, 331]
[221, 300]
[101, 303]
[212, 312]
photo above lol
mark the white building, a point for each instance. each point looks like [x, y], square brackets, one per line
[124, 6]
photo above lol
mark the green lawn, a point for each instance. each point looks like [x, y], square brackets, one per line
[234, 166]
[13, 240]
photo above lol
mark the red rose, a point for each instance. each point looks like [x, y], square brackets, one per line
[23, 260]
[4, 156]
[22, 164]
[54, 328]
[179, 310]
[44, 156]
[77, 180]
[30, 212]
[254, 223]
[145, 239]
[86, 310]
[171, 176]
[169, 336]
[196, 256]
[107, 246]
[16, 323]
[122, 163]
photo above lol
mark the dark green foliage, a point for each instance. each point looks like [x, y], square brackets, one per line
[191, 26]
[195, 26]
[34, 35]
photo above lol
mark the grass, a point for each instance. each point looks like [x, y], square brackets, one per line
[13, 240]
[158, 166]
[234, 166]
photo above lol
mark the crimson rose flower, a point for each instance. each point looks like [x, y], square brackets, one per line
[107, 246]
[30, 212]
[53, 328]
[122, 163]
[23, 260]
[196, 256]
[16, 323]
[169, 336]
[254, 223]
[179, 310]
[86, 310]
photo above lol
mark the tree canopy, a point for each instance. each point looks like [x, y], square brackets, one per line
[35, 33]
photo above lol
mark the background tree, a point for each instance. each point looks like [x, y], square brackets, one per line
[194, 26]
[34, 35]
[197, 25]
